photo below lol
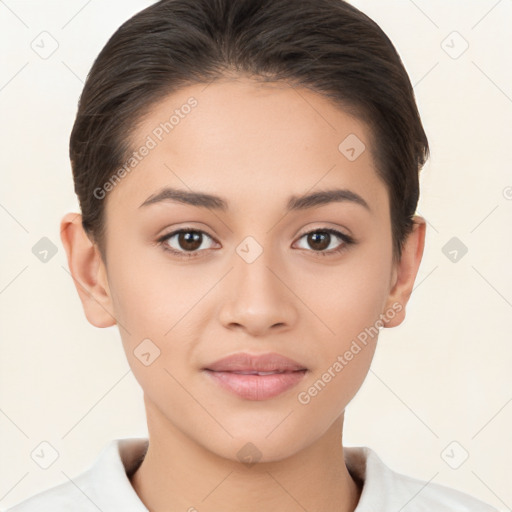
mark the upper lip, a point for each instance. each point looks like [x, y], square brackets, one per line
[259, 363]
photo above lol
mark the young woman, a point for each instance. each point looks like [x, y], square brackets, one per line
[247, 172]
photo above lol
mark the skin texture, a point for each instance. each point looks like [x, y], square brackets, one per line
[255, 145]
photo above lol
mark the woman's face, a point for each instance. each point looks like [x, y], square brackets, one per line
[260, 274]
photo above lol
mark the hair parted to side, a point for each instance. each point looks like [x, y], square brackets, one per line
[327, 46]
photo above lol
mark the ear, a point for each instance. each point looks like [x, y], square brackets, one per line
[404, 273]
[88, 271]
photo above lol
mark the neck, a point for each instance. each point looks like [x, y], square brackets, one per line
[179, 474]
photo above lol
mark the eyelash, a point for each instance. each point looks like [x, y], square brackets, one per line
[347, 241]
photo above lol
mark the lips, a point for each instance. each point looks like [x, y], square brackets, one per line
[259, 377]
[248, 364]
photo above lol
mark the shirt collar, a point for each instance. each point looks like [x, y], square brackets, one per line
[106, 482]
[111, 490]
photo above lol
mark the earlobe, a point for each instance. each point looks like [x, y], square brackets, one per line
[405, 274]
[87, 270]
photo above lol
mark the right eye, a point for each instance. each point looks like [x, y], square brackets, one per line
[186, 243]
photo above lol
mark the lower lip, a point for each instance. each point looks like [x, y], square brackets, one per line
[257, 387]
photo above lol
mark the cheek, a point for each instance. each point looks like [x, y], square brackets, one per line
[151, 294]
[348, 301]
[331, 389]
[157, 302]
[149, 307]
[350, 309]
[348, 297]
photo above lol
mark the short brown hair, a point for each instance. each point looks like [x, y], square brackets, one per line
[327, 46]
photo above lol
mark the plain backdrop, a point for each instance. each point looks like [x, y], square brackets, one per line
[439, 390]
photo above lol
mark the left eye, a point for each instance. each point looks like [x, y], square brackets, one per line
[322, 238]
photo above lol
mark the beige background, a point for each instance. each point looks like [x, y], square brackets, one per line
[442, 376]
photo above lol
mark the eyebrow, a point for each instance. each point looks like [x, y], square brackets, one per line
[295, 203]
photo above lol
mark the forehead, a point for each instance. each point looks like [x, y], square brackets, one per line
[246, 140]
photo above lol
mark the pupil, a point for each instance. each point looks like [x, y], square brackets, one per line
[315, 237]
[189, 240]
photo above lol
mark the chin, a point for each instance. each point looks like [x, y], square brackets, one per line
[250, 447]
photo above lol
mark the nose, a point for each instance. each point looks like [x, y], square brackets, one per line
[257, 297]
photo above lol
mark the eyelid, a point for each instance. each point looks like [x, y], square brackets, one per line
[346, 239]
[328, 229]
[165, 237]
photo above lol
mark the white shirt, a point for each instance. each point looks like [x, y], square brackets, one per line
[105, 486]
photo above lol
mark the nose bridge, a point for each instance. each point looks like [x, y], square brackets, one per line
[257, 298]
[256, 265]
[253, 264]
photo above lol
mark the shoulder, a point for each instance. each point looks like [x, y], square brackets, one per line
[103, 486]
[387, 490]
[65, 496]
[419, 495]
